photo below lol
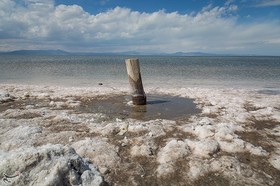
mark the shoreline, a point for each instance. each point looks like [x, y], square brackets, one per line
[233, 140]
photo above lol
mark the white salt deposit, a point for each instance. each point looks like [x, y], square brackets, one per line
[206, 143]
[5, 97]
[169, 154]
[99, 151]
[204, 148]
[141, 150]
[46, 165]
[18, 137]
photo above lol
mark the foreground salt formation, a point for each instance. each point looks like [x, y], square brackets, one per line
[47, 165]
[233, 141]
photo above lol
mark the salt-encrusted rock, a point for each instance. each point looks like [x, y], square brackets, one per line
[90, 178]
[4, 94]
[47, 165]
[19, 137]
[274, 160]
[6, 97]
[123, 129]
[26, 94]
[100, 152]
[276, 131]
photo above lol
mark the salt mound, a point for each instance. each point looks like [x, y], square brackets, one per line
[168, 155]
[203, 148]
[47, 165]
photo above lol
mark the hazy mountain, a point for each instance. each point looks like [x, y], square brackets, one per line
[37, 52]
[192, 54]
[128, 53]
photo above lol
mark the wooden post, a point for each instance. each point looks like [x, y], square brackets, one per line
[135, 81]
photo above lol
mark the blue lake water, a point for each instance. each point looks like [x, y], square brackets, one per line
[157, 71]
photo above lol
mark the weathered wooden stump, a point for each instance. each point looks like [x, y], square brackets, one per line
[135, 81]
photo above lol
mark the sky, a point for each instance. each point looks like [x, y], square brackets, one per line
[245, 27]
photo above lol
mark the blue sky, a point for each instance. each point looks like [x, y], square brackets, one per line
[154, 26]
[255, 9]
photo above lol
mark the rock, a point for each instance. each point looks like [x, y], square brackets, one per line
[6, 97]
[99, 151]
[104, 170]
[18, 137]
[71, 139]
[48, 165]
[124, 142]
[275, 161]
[26, 95]
[89, 178]
[123, 129]
[30, 107]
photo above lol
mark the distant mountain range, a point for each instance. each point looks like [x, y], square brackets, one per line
[129, 53]
[37, 52]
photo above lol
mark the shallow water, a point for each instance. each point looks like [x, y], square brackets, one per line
[157, 71]
[157, 107]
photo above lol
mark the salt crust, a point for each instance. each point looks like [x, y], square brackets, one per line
[224, 112]
[99, 151]
[5, 96]
[47, 165]
[169, 154]
[275, 161]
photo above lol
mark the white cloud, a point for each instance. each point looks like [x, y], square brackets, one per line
[39, 24]
[266, 3]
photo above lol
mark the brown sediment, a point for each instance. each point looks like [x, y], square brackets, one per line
[264, 124]
[257, 139]
[212, 178]
[259, 164]
[250, 107]
[65, 125]
[258, 136]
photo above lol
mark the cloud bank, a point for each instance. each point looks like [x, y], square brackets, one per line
[266, 3]
[39, 24]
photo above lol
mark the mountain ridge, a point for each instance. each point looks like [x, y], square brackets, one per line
[128, 53]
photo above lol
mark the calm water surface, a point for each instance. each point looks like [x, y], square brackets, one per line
[157, 71]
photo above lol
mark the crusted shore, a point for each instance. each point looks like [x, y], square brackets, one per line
[49, 136]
